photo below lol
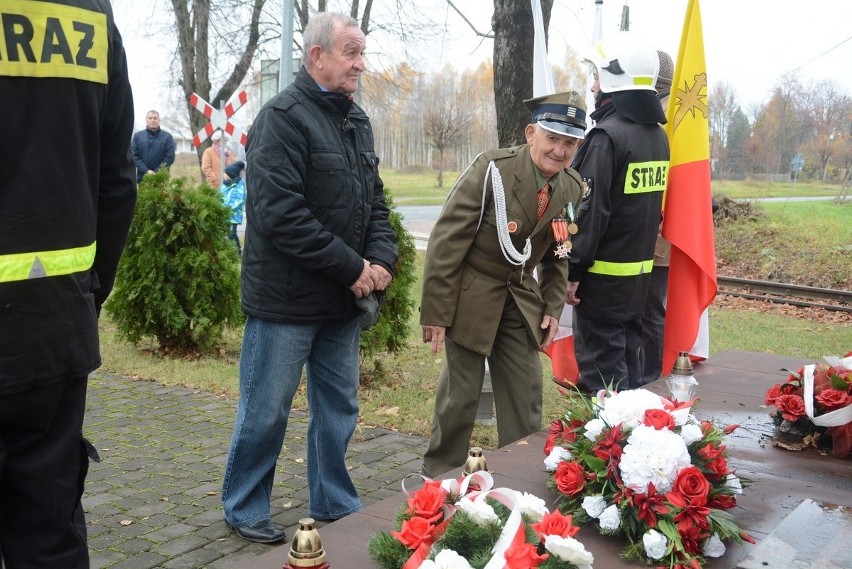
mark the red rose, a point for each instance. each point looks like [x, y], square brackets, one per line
[722, 502]
[710, 451]
[833, 398]
[523, 556]
[691, 484]
[659, 419]
[570, 478]
[414, 532]
[556, 524]
[717, 468]
[772, 394]
[792, 407]
[428, 501]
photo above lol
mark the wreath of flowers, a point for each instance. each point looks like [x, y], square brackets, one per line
[468, 524]
[646, 468]
[815, 400]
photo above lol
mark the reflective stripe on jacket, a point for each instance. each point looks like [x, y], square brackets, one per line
[23, 266]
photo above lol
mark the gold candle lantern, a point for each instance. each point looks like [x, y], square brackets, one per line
[306, 550]
[475, 461]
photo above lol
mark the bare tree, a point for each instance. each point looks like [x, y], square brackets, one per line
[721, 110]
[446, 116]
[513, 33]
[829, 112]
[194, 20]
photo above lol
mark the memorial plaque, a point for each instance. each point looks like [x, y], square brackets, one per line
[814, 536]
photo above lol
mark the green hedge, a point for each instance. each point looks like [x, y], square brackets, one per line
[178, 280]
[390, 334]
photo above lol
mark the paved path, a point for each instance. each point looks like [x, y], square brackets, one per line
[154, 499]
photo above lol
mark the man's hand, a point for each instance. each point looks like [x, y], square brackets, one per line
[381, 277]
[573, 299]
[364, 285]
[550, 324]
[434, 334]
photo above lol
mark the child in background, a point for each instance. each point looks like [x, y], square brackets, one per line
[233, 190]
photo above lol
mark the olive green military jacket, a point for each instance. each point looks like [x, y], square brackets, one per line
[466, 278]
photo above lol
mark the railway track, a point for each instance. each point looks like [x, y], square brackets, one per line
[784, 293]
[765, 291]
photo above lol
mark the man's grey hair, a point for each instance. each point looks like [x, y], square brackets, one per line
[320, 31]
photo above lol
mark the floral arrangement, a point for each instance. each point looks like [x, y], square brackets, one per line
[644, 467]
[468, 524]
[815, 399]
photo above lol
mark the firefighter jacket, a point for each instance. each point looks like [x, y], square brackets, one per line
[67, 185]
[466, 278]
[624, 166]
[315, 207]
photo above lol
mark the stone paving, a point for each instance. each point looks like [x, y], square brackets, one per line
[154, 499]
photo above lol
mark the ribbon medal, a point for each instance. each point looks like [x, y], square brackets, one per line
[562, 227]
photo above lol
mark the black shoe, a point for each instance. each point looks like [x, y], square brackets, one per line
[265, 531]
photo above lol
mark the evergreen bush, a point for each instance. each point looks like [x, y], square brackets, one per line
[178, 279]
[390, 334]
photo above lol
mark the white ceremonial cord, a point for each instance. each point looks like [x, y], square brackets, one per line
[509, 252]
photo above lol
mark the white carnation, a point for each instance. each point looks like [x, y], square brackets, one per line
[713, 547]
[655, 544]
[594, 505]
[594, 428]
[531, 506]
[734, 484]
[446, 559]
[557, 455]
[653, 456]
[628, 407]
[569, 550]
[480, 512]
[610, 519]
[691, 433]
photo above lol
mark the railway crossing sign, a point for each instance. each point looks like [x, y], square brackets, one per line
[218, 118]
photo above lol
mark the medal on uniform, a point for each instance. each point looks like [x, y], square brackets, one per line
[562, 228]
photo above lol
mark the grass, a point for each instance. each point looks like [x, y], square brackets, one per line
[806, 243]
[753, 189]
[417, 188]
[794, 239]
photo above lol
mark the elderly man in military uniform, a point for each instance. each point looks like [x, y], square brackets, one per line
[511, 211]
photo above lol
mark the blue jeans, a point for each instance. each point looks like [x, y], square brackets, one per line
[271, 363]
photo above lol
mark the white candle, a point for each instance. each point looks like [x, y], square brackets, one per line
[682, 387]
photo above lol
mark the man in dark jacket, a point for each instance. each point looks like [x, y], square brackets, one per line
[317, 239]
[67, 206]
[624, 164]
[153, 148]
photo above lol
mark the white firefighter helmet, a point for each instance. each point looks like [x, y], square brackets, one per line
[625, 62]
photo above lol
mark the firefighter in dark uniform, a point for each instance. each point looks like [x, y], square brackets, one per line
[624, 164]
[67, 193]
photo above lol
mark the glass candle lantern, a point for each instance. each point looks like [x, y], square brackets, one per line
[682, 384]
